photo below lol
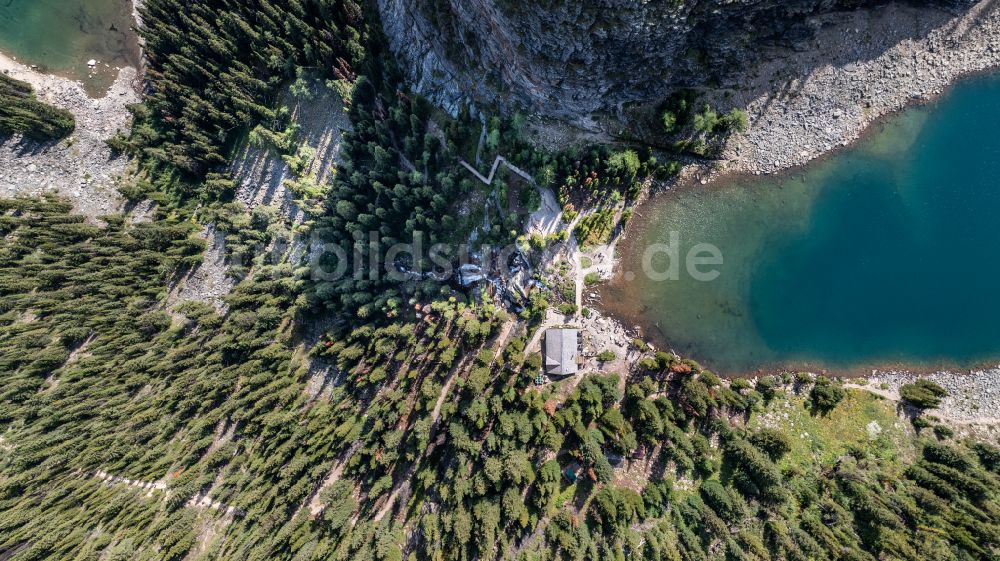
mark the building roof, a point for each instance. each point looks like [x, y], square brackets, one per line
[561, 351]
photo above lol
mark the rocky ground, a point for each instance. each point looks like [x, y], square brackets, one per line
[260, 171]
[971, 408]
[859, 66]
[80, 167]
[209, 281]
[262, 175]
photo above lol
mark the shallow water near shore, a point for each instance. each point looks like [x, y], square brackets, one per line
[886, 254]
[61, 36]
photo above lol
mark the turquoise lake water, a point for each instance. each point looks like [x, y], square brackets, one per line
[887, 254]
[60, 36]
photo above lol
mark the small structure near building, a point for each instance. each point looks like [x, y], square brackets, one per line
[561, 352]
[572, 472]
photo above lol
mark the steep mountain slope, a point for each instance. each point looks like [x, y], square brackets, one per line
[570, 58]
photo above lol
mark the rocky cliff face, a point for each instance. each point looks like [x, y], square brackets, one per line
[571, 58]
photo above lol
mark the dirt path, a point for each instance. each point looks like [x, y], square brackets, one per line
[198, 500]
[579, 275]
[498, 343]
[972, 406]
[432, 434]
[151, 486]
[552, 319]
[544, 221]
[887, 394]
[502, 339]
[313, 502]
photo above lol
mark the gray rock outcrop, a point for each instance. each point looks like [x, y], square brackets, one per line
[571, 58]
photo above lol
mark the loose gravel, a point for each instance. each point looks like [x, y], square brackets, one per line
[80, 167]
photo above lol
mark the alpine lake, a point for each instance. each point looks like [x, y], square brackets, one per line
[61, 36]
[883, 255]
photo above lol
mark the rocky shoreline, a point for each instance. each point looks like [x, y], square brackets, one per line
[820, 96]
[81, 167]
[823, 94]
[972, 406]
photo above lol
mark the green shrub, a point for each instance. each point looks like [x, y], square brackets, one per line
[707, 120]
[534, 362]
[768, 387]
[530, 199]
[943, 432]
[709, 378]
[624, 164]
[739, 384]
[736, 120]
[606, 356]
[649, 364]
[773, 442]
[920, 423]
[988, 454]
[923, 394]
[825, 395]
[669, 120]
